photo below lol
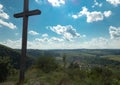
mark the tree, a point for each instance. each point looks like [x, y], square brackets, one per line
[5, 68]
[47, 64]
[64, 61]
[101, 76]
[74, 65]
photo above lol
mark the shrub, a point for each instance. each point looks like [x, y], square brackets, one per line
[47, 64]
[102, 76]
[5, 68]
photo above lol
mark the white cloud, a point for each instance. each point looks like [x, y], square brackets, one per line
[33, 32]
[12, 43]
[52, 39]
[114, 32]
[41, 1]
[56, 3]
[114, 2]
[68, 32]
[92, 16]
[4, 15]
[75, 16]
[56, 39]
[95, 43]
[107, 13]
[7, 24]
[97, 4]
[59, 43]
[45, 35]
[114, 44]
[101, 43]
[42, 39]
[38, 1]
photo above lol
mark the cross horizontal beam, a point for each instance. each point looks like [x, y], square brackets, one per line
[28, 13]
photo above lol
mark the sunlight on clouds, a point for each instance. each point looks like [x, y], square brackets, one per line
[38, 1]
[97, 4]
[92, 16]
[56, 39]
[68, 32]
[107, 13]
[4, 15]
[114, 2]
[95, 43]
[60, 43]
[12, 43]
[45, 35]
[57, 3]
[7, 24]
[101, 43]
[31, 32]
[57, 43]
[46, 39]
[114, 32]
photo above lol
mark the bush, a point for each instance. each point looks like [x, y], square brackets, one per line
[47, 64]
[101, 76]
[5, 68]
[74, 65]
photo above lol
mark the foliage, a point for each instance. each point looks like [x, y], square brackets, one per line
[90, 67]
[64, 61]
[74, 65]
[5, 68]
[14, 56]
[101, 76]
[47, 64]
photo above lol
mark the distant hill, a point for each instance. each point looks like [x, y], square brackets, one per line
[14, 56]
[72, 52]
[84, 56]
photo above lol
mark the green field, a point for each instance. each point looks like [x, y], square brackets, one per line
[113, 57]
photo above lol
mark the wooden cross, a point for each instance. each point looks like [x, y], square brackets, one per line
[25, 14]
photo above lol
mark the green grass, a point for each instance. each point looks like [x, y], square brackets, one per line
[112, 57]
[93, 76]
[34, 75]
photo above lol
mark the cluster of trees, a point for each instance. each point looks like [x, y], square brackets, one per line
[47, 64]
[5, 68]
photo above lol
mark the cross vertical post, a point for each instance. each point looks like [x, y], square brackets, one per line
[25, 14]
[24, 43]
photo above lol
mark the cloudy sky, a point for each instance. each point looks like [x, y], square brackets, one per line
[63, 24]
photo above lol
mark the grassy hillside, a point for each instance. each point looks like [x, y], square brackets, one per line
[85, 56]
[14, 56]
[112, 57]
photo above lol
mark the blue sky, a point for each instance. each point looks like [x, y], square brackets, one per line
[63, 24]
